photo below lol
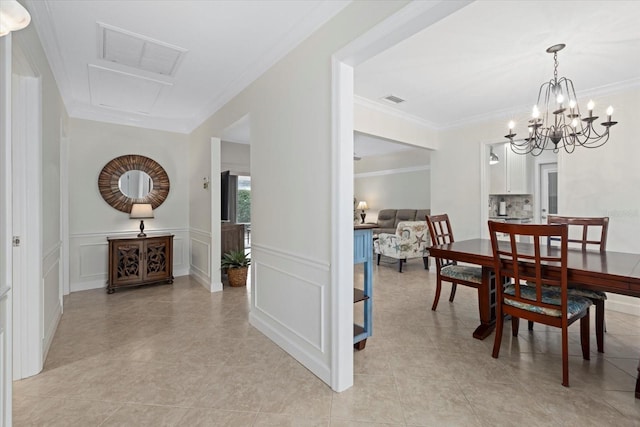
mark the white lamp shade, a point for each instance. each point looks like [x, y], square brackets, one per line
[362, 205]
[13, 17]
[141, 210]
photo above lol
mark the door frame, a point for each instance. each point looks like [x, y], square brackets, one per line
[540, 173]
[407, 21]
[6, 250]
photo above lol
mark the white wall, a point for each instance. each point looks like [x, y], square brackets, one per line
[374, 119]
[235, 157]
[91, 146]
[394, 181]
[291, 171]
[604, 182]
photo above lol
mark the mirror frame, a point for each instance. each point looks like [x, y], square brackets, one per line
[109, 178]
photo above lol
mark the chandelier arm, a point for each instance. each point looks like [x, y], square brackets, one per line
[568, 128]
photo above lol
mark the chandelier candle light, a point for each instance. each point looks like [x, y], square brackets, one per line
[561, 124]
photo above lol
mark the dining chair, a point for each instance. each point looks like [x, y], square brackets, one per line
[591, 232]
[449, 270]
[544, 299]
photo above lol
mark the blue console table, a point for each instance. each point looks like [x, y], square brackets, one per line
[363, 253]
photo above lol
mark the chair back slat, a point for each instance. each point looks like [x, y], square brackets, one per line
[441, 234]
[596, 227]
[546, 265]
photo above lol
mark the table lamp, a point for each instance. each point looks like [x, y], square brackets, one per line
[362, 205]
[141, 211]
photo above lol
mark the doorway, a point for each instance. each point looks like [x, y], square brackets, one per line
[548, 195]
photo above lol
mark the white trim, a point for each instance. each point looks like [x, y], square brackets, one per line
[320, 346]
[215, 247]
[199, 231]
[151, 232]
[50, 332]
[292, 256]
[509, 112]
[341, 299]
[64, 215]
[385, 109]
[623, 306]
[56, 247]
[312, 21]
[392, 171]
[314, 364]
[196, 268]
[6, 220]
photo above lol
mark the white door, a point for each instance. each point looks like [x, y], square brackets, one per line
[5, 232]
[548, 190]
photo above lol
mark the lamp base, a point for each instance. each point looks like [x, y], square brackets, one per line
[363, 215]
[142, 234]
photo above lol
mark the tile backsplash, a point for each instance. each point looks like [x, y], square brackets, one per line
[520, 206]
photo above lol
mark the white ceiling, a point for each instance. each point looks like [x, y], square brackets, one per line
[179, 61]
[488, 59]
[166, 64]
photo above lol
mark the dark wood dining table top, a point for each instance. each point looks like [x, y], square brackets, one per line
[609, 271]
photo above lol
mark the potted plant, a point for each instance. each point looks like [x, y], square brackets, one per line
[237, 264]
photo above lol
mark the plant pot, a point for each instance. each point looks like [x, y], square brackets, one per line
[237, 276]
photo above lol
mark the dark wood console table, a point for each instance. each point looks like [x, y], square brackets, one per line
[232, 237]
[135, 261]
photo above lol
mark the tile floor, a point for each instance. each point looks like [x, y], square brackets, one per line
[179, 356]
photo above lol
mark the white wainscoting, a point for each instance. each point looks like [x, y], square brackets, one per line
[89, 260]
[200, 260]
[51, 295]
[290, 304]
[623, 304]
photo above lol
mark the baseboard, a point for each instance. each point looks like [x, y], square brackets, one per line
[205, 281]
[86, 286]
[102, 283]
[53, 326]
[622, 307]
[313, 364]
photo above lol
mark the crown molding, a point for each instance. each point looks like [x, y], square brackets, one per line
[392, 171]
[41, 17]
[600, 91]
[385, 109]
[312, 22]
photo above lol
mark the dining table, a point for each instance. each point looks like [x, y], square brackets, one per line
[608, 271]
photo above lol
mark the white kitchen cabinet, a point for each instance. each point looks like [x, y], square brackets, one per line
[512, 174]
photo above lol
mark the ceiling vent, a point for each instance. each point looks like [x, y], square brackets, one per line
[137, 51]
[393, 99]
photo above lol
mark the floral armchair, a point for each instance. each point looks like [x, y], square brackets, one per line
[411, 240]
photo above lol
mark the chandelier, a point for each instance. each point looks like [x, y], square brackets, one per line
[560, 125]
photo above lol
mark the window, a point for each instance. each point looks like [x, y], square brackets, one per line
[243, 200]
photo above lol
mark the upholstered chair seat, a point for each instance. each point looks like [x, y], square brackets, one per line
[411, 240]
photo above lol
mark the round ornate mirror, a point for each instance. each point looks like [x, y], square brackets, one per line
[131, 179]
